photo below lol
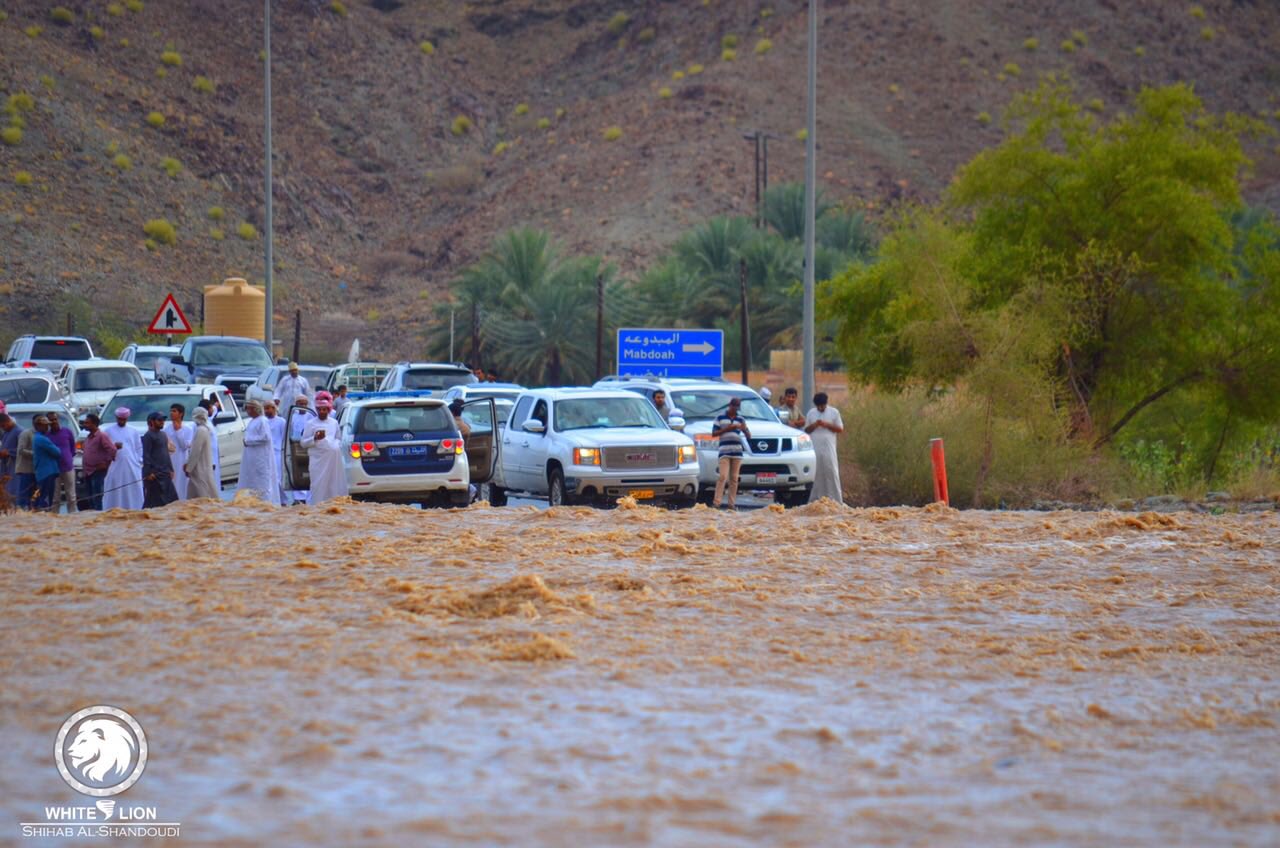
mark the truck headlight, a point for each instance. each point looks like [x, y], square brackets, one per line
[688, 453]
[586, 456]
[803, 442]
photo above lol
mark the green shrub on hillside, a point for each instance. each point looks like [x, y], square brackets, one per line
[461, 125]
[162, 73]
[618, 23]
[664, 92]
[155, 119]
[1012, 69]
[133, 5]
[124, 163]
[728, 54]
[427, 48]
[1031, 44]
[543, 123]
[1068, 46]
[646, 35]
[984, 118]
[802, 134]
[11, 136]
[23, 178]
[217, 234]
[522, 108]
[1197, 12]
[172, 58]
[338, 8]
[62, 16]
[1208, 33]
[729, 42]
[204, 85]
[677, 75]
[171, 166]
[216, 213]
[1139, 51]
[97, 33]
[612, 133]
[33, 31]
[115, 10]
[501, 148]
[247, 231]
[160, 231]
[763, 46]
[20, 102]
[113, 148]
[695, 69]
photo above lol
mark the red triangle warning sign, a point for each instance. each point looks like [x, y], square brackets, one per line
[169, 320]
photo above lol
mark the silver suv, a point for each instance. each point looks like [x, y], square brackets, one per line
[778, 457]
[433, 376]
[51, 352]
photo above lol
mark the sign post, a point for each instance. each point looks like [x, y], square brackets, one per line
[671, 353]
[169, 319]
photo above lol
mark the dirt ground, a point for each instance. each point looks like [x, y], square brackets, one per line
[357, 674]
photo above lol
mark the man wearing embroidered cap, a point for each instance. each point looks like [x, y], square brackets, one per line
[122, 489]
[323, 442]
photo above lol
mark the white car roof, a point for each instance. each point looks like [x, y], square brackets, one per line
[567, 392]
[155, 348]
[181, 389]
[391, 399]
[82, 364]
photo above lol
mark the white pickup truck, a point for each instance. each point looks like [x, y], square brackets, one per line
[592, 446]
[228, 423]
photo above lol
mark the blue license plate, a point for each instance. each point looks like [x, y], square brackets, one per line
[408, 452]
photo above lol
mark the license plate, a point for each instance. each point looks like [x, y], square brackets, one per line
[642, 494]
[408, 452]
[766, 477]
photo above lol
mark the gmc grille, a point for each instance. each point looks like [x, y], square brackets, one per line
[628, 458]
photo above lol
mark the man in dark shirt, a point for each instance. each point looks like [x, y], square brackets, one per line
[157, 467]
[66, 442]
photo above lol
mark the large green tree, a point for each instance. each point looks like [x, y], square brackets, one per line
[1106, 248]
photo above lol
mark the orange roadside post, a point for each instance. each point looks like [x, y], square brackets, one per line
[939, 457]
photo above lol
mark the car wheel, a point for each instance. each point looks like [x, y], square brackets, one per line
[497, 496]
[706, 496]
[556, 495]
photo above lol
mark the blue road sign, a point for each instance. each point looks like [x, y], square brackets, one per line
[671, 353]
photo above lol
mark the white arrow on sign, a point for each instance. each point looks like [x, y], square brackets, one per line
[701, 347]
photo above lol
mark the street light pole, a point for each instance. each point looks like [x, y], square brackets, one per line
[810, 204]
[270, 307]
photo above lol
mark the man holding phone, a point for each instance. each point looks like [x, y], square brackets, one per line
[323, 442]
[731, 429]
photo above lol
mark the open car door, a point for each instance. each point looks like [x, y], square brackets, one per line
[482, 445]
[296, 462]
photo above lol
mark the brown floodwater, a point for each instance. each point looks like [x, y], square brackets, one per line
[354, 674]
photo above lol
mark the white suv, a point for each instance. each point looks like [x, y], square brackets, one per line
[778, 457]
[593, 445]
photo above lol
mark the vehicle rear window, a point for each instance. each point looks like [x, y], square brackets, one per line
[398, 419]
[24, 390]
[105, 379]
[60, 349]
[140, 406]
[24, 419]
[437, 378]
[147, 361]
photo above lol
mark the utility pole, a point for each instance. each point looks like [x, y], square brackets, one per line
[270, 306]
[297, 334]
[451, 314]
[599, 326]
[765, 182]
[475, 335]
[745, 328]
[810, 205]
[757, 137]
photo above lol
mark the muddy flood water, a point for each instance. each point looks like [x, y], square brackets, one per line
[353, 674]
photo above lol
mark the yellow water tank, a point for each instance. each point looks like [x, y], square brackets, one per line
[234, 308]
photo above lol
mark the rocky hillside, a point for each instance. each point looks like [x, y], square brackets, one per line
[408, 134]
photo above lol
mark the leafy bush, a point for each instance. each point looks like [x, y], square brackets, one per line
[172, 58]
[1096, 105]
[613, 133]
[1139, 51]
[1208, 33]
[151, 244]
[1079, 37]
[802, 134]
[522, 108]
[124, 163]
[160, 231]
[20, 102]
[664, 92]
[113, 148]
[33, 31]
[133, 5]
[18, 121]
[501, 148]
[23, 178]
[461, 125]
[1031, 44]
[543, 123]
[984, 118]
[1068, 46]
[171, 166]
[728, 54]
[11, 136]
[677, 75]
[216, 213]
[646, 35]
[47, 81]
[115, 10]
[763, 46]
[695, 69]
[162, 73]
[62, 16]
[338, 8]
[1197, 12]
[155, 119]
[427, 48]
[372, 316]
[204, 85]
[1012, 69]
[97, 33]
[729, 42]
[217, 234]
[618, 23]
[247, 231]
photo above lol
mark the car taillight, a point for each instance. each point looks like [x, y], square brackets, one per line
[451, 446]
[367, 450]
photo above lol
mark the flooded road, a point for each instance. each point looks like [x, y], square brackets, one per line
[355, 674]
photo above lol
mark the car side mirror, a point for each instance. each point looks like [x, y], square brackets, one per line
[676, 422]
[533, 425]
[177, 360]
[224, 418]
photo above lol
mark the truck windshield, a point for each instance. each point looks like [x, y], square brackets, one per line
[24, 390]
[105, 379]
[436, 378]
[707, 405]
[230, 355]
[589, 413]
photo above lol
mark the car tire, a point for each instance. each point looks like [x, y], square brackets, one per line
[556, 493]
[706, 496]
[793, 497]
[497, 496]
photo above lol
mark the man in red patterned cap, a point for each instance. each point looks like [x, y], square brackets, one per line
[323, 442]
